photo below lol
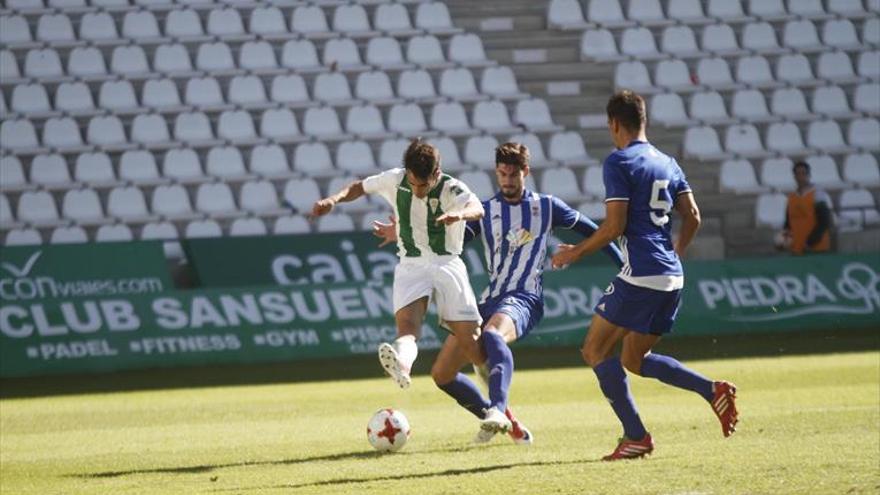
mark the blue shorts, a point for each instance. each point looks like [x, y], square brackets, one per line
[525, 309]
[636, 308]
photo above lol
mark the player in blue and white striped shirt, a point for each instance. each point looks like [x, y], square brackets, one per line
[514, 229]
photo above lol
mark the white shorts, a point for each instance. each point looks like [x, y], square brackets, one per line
[445, 279]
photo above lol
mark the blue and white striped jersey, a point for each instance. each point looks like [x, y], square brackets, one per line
[515, 239]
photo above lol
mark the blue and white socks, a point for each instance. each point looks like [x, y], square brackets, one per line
[671, 372]
[499, 361]
[615, 387]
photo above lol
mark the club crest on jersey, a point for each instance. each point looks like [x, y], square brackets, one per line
[519, 237]
[434, 203]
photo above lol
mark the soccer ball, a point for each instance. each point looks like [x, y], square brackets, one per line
[388, 430]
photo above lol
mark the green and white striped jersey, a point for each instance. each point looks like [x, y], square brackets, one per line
[418, 233]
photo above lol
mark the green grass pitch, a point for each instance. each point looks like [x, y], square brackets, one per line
[810, 423]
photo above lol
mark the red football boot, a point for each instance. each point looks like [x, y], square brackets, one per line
[724, 405]
[631, 449]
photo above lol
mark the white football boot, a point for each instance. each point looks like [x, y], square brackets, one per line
[390, 362]
[495, 421]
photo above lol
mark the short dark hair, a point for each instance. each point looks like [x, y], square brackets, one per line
[801, 164]
[627, 108]
[516, 154]
[421, 159]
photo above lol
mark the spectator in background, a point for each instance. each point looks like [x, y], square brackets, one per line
[808, 215]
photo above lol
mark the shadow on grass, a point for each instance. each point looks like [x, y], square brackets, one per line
[416, 476]
[206, 468]
[684, 348]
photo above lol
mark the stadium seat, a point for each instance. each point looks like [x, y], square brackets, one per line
[224, 22]
[480, 151]
[862, 169]
[105, 131]
[406, 118]
[433, 16]
[30, 98]
[50, 27]
[278, 124]
[840, 33]
[72, 234]
[458, 83]
[565, 14]
[789, 103]
[118, 232]
[138, 166]
[6, 216]
[11, 172]
[149, 129]
[73, 97]
[321, 121]
[391, 17]
[738, 176]
[258, 196]
[288, 88]
[679, 41]
[726, 10]
[301, 194]
[384, 52]
[268, 160]
[593, 184]
[117, 95]
[140, 25]
[770, 210]
[719, 38]
[236, 125]
[449, 118]
[846, 7]
[192, 126]
[171, 58]
[562, 183]
[686, 10]
[342, 52]
[754, 70]
[82, 205]
[450, 158]
[331, 86]
[859, 203]
[374, 86]
[743, 139]
[714, 72]
[291, 224]
[499, 82]
[479, 183]
[825, 135]
[267, 20]
[598, 44]
[215, 199]
[364, 120]
[673, 75]
[356, 158]
[23, 237]
[568, 147]
[607, 12]
[350, 18]
[491, 116]
[391, 153]
[49, 170]
[313, 159]
[801, 35]
[61, 132]
[537, 158]
[767, 9]
[794, 68]
[214, 57]
[871, 31]
[335, 222]
[308, 19]
[646, 12]
[182, 164]
[300, 55]
[785, 137]
[129, 61]
[246, 90]
[708, 106]
[183, 23]
[415, 84]
[224, 162]
[96, 26]
[425, 50]
[202, 229]
[533, 114]
[638, 42]
[161, 231]
[806, 8]
[466, 49]
[171, 201]
[869, 64]
[760, 36]
[632, 74]
[257, 55]
[749, 104]
[247, 227]
[14, 29]
[701, 141]
[93, 168]
[8, 65]
[127, 203]
[867, 98]
[830, 100]
[864, 133]
[41, 63]
[203, 92]
[823, 172]
[835, 66]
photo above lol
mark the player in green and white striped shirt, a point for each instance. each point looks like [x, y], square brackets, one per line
[432, 209]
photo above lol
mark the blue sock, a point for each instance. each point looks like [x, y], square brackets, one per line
[466, 393]
[612, 381]
[670, 371]
[499, 361]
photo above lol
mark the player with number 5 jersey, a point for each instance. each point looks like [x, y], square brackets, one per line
[642, 186]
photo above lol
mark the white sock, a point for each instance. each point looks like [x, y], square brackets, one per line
[407, 350]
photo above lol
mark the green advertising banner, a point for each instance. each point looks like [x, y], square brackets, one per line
[107, 332]
[82, 270]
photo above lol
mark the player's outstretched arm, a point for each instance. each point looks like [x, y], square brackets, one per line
[386, 231]
[348, 193]
[587, 227]
[687, 207]
[472, 210]
[612, 228]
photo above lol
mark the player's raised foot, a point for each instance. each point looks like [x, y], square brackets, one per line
[518, 431]
[631, 449]
[484, 436]
[390, 362]
[724, 405]
[495, 421]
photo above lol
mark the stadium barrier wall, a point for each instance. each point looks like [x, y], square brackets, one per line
[99, 332]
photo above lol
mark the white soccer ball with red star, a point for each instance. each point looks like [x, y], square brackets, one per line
[388, 430]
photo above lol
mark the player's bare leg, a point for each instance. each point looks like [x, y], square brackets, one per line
[598, 352]
[398, 357]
